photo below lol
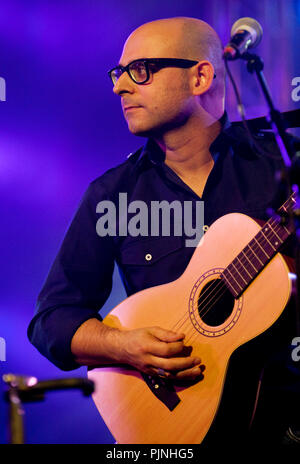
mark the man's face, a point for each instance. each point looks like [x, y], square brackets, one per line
[165, 101]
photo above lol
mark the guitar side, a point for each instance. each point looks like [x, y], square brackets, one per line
[131, 411]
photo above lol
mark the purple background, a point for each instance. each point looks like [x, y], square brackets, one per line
[61, 127]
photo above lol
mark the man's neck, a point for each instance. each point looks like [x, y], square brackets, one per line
[187, 152]
[187, 148]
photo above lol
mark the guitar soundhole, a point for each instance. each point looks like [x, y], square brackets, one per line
[215, 303]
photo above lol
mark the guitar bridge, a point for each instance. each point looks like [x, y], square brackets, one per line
[163, 389]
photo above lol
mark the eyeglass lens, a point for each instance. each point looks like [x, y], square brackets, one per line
[138, 71]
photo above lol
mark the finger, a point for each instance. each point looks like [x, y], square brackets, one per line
[190, 374]
[175, 364]
[166, 335]
[168, 350]
[187, 374]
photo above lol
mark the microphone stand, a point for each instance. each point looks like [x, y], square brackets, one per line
[255, 64]
[289, 178]
[23, 389]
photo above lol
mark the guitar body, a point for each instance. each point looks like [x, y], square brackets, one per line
[127, 405]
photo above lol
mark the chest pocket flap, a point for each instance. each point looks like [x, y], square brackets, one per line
[147, 251]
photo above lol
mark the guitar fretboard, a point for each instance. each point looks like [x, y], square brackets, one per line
[259, 251]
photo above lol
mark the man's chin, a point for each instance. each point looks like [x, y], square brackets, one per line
[144, 130]
[154, 131]
[140, 132]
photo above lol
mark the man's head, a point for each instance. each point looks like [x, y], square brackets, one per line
[172, 95]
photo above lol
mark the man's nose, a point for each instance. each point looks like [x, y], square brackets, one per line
[123, 84]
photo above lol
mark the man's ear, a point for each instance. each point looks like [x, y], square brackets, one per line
[203, 76]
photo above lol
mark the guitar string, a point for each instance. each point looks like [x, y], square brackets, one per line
[214, 294]
[274, 226]
[222, 282]
[194, 333]
[267, 232]
[266, 235]
[205, 309]
[191, 333]
[201, 314]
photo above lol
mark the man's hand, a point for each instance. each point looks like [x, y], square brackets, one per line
[154, 350]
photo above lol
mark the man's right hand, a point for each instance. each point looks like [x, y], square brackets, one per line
[152, 350]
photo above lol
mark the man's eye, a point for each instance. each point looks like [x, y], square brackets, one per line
[138, 68]
[118, 73]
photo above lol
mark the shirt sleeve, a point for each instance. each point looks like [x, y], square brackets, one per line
[77, 286]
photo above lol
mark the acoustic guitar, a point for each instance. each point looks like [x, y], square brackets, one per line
[234, 288]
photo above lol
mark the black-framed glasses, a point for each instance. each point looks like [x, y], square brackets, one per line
[139, 70]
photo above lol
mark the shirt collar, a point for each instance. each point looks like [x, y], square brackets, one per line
[152, 152]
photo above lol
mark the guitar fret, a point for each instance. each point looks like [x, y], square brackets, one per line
[238, 271]
[230, 282]
[234, 278]
[257, 253]
[283, 231]
[287, 230]
[268, 239]
[276, 234]
[252, 255]
[274, 231]
[243, 266]
[266, 245]
[261, 248]
[256, 270]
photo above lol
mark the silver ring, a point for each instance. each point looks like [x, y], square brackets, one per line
[161, 372]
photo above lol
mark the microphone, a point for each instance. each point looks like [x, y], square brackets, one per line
[245, 33]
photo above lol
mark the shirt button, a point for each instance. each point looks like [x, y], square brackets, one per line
[148, 257]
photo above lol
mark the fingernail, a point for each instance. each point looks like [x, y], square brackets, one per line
[197, 370]
[197, 361]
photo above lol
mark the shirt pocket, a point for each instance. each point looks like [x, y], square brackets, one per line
[146, 252]
[153, 261]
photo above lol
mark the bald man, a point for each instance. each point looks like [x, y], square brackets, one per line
[170, 80]
[180, 109]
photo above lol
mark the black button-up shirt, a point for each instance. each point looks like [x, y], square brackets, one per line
[80, 279]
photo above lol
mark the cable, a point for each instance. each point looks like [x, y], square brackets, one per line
[241, 110]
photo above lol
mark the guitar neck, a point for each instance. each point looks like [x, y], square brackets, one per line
[259, 251]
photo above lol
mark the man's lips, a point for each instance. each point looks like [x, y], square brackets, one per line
[130, 107]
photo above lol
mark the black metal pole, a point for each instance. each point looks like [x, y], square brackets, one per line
[16, 414]
[289, 175]
[27, 389]
[255, 64]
